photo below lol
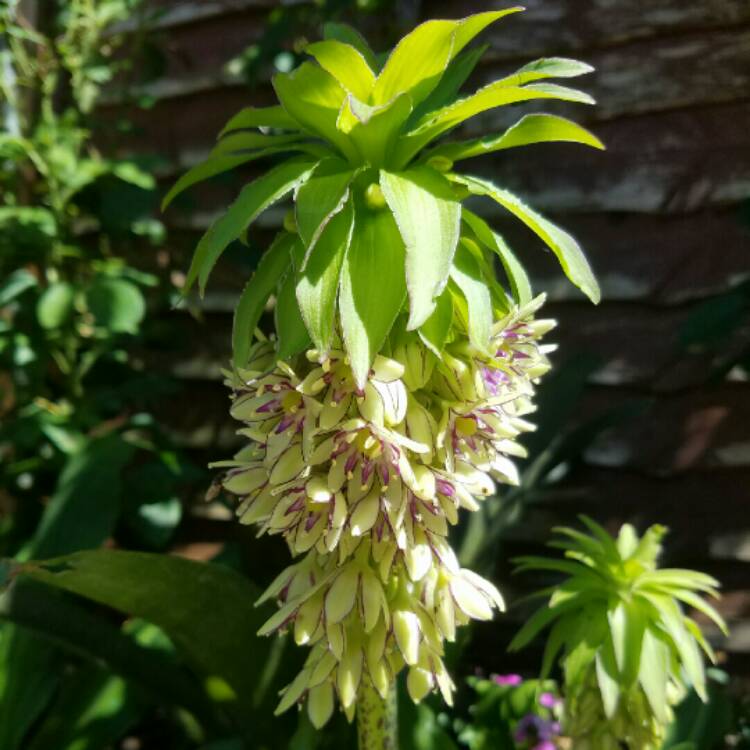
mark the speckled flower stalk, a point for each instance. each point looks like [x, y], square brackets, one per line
[401, 372]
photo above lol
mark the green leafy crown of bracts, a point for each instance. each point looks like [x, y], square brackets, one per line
[378, 226]
[619, 623]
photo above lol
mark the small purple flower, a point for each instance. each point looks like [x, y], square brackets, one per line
[508, 679]
[532, 728]
[549, 700]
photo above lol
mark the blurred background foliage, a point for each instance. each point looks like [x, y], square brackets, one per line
[131, 646]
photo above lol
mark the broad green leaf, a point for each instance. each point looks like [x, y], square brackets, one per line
[313, 97]
[191, 602]
[64, 621]
[567, 250]
[491, 96]
[260, 117]
[627, 623]
[373, 130]
[416, 63]
[376, 252]
[81, 513]
[653, 674]
[15, 284]
[252, 200]
[696, 602]
[86, 502]
[672, 620]
[290, 327]
[538, 622]
[556, 639]
[547, 67]
[116, 304]
[55, 305]
[258, 289]
[467, 275]
[434, 331]
[519, 280]
[606, 676]
[529, 129]
[346, 64]
[429, 220]
[419, 60]
[317, 283]
[321, 196]
[343, 32]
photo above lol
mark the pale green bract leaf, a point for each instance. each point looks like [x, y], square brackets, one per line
[220, 162]
[468, 277]
[606, 677]
[627, 623]
[317, 283]
[416, 63]
[429, 220]
[517, 276]
[346, 64]
[529, 129]
[313, 97]
[547, 67]
[569, 254]
[434, 331]
[373, 130]
[321, 196]
[342, 32]
[290, 328]
[258, 289]
[252, 200]
[376, 252]
[654, 672]
[260, 117]
[490, 97]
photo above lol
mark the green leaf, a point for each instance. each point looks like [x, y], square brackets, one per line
[15, 284]
[541, 128]
[373, 130]
[469, 279]
[86, 502]
[376, 252]
[494, 95]
[567, 250]
[519, 280]
[313, 97]
[653, 673]
[606, 676]
[627, 623]
[321, 196]
[290, 327]
[318, 282]
[192, 602]
[419, 60]
[429, 220]
[55, 305]
[434, 331]
[343, 32]
[258, 289]
[64, 621]
[346, 64]
[252, 200]
[116, 304]
[538, 622]
[260, 117]
[547, 67]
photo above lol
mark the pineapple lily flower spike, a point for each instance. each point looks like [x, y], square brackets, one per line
[401, 371]
[628, 651]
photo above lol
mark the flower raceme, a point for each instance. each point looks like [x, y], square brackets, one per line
[402, 371]
[363, 484]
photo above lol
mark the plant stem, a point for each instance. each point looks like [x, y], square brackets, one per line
[377, 719]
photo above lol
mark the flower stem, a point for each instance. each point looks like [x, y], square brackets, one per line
[377, 719]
